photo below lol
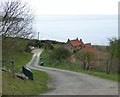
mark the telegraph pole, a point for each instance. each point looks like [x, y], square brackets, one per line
[38, 39]
[38, 35]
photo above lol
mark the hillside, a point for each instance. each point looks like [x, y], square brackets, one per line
[15, 49]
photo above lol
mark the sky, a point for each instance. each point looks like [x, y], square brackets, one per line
[52, 16]
[57, 7]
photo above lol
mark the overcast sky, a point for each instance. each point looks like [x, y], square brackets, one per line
[48, 7]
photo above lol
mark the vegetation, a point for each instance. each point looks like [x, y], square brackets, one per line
[86, 58]
[17, 86]
[15, 52]
[17, 19]
[55, 56]
[59, 54]
[109, 56]
[57, 45]
[114, 47]
[65, 64]
[114, 55]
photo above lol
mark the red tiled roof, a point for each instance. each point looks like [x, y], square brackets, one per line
[89, 47]
[75, 42]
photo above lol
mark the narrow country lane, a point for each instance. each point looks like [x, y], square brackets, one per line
[63, 82]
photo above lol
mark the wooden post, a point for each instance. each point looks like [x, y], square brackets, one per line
[13, 64]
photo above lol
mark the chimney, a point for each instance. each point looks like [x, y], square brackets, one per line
[68, 40]
[80, 39]
[77, 38]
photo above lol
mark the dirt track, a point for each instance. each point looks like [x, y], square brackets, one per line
[63, 82]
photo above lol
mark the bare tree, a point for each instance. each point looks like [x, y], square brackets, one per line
[86, 58]
[16, 19]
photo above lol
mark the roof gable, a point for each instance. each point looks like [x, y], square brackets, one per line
[75, 42]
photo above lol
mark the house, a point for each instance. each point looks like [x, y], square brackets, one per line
[76, 45]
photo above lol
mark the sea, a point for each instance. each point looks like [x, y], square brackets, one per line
[94, 29]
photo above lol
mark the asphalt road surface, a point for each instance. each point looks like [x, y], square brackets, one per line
[63, 82]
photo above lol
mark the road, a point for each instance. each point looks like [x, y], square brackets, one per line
[63, 82]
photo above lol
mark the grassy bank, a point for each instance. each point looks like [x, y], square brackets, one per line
[17, 86]
[77, 68]
[20, 59]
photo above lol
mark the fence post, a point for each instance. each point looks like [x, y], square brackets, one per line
[13, 64]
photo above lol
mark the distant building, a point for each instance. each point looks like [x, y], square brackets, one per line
[76, 45]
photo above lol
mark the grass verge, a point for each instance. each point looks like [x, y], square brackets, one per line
[17, 86]
[113, 77]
